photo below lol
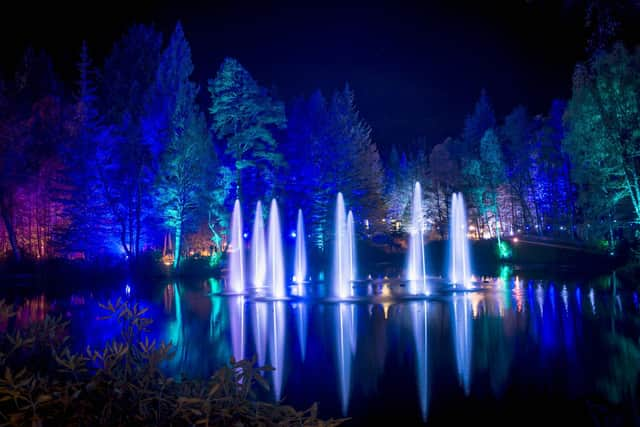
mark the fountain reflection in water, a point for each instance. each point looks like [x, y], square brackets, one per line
[260, 333]
[275, 258]
[346, 339]
[416, 265]
[258, 250]
[460, 271]
[277, 346]
[463, 338]
[302, 314]
[236, 326]
[421, 341]
[300, 262]
[236, 252]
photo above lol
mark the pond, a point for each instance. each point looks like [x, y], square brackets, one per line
[534, 350]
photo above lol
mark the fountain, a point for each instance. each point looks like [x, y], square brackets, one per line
[459, 244]
[236, 326]
[416, 269]
[236, 252]
[343, 252]
[258, 250]
[300, 263]
[275, 258]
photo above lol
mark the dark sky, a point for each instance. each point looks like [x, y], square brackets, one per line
[416, 70]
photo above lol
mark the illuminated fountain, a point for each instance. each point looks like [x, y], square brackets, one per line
[416, 265]
[236, 252]
[351, 248]
[343, 255]
[300, 262]
[460, 272]
[275, 258]
[258, 250]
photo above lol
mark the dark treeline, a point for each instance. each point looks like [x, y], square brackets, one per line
[127, 162]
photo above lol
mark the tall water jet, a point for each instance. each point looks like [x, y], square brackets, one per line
[342, 254]
[275, 259]
[236, 251]
[258, 249]
[351, 246]
[300, 262]
[416, 268]
[460, 272]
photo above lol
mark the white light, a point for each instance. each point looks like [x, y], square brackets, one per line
[245, 235]
[293, 234]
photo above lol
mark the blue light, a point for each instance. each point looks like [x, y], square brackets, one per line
[293, 234]
[127, 290]
[245, 235]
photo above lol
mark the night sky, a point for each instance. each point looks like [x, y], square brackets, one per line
[416, 71]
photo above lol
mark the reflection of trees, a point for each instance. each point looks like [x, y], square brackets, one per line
[494, 349]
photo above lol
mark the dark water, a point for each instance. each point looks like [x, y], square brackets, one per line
[533, 351]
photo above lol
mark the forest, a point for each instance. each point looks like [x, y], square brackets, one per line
[130, 160]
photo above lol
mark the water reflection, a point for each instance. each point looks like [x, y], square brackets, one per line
[529, 335]
[421, 342]
[345, 349]
[277, 345]
[463, 338]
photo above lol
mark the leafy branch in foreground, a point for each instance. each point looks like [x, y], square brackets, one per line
[44, 383]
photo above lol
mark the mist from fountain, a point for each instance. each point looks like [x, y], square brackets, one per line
[258, 250]
[416, 265]
[300, 261]
[459, 260]
[351, 246]
[275, 257]
[236, 252]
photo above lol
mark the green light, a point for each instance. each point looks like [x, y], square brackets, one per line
[504, 250]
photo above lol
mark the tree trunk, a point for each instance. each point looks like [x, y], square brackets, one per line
[6, 218]
[176, 253]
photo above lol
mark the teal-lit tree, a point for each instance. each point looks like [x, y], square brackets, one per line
[184, 161]
[247, 118]
[603, 138]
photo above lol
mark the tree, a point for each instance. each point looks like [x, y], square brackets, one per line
[181, 184]
[125, 162]
[603, 138]
[492, 175]
[85, 206]
[247, 118]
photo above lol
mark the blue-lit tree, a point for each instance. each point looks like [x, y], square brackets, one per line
[247, 118]
[126, 161]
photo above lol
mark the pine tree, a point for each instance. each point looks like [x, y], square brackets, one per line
[247, 118]
[186, 151]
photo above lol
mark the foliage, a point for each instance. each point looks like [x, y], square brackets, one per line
[247, 118]
[122, 384]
